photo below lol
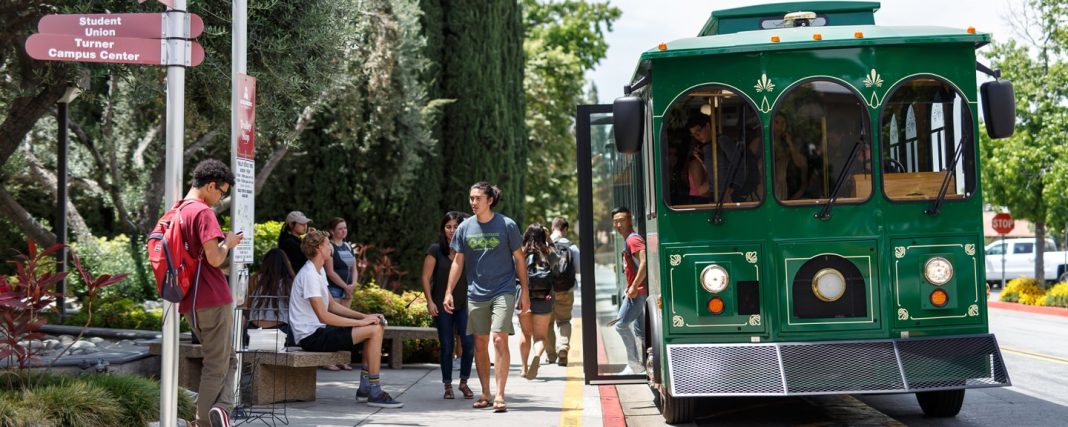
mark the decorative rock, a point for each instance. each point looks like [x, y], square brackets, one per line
[66, 339]
[82, 345]
[51, 344]
[96, 340]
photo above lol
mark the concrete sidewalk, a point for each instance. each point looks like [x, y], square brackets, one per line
[558, 397]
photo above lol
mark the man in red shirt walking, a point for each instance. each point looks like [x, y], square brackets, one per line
[208, 305]
[630, 321]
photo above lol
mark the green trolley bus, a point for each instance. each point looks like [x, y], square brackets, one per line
[808, 186]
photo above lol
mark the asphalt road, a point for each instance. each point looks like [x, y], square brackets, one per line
[1035, 349]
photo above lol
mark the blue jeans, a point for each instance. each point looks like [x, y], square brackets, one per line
[632, 324]
[447, 324]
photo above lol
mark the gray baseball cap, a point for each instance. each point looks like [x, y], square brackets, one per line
[297, 217]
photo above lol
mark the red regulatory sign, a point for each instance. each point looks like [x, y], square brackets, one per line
[122, 50]
[136, 25]
[1002, 223]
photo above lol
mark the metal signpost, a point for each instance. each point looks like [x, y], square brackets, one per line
[1002, 223]
[150, 39]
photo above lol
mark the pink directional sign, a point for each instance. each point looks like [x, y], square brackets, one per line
[122, 50]
[138, 25]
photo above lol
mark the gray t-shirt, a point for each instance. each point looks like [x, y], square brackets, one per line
[487, 250]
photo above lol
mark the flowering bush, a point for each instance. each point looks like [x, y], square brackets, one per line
[1024, 290]
[1057, 296]
[407, 309]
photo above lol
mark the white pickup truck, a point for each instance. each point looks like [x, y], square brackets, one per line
[1019, 254]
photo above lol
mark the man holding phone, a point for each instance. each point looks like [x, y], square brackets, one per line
[208, 304]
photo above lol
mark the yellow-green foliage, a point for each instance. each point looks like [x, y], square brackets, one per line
[408, 309]
[1024, 290]
[76, 404]
[1057, 296]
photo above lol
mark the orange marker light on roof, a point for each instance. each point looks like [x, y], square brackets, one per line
[858, 35]
[774, 39]
[971, 30]
[662, 46]
[817, 36]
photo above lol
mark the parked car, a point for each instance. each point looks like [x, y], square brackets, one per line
[1019, 255]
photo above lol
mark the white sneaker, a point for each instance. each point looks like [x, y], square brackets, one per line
[632, 369]
[627, 371]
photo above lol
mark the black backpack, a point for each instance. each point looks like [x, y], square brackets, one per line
[539, 277]
[565, 268]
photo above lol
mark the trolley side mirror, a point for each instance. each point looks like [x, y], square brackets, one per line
[627, 122]
[999, 108]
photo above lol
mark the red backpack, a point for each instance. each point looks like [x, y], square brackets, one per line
[176, 269]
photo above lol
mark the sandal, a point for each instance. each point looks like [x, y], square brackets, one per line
[468, 394]
[499, 406]
[482, 404]
[448, 392]
[345, 366]
[331, 368]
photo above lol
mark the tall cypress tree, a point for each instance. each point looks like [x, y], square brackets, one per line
[483, 136]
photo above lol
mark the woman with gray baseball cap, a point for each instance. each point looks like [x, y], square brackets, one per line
[289, 239]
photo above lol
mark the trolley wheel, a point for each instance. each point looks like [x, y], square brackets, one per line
[676, 410]
[941, 403]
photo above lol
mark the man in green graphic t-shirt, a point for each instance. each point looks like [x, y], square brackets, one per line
[488, 250]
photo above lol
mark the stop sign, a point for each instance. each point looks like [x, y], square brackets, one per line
[1002, 223]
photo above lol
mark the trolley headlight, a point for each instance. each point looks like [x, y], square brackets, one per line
[938, 271]
[828, 284]
[714, 279]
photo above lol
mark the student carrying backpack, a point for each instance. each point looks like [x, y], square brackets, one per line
[564, 279]
[176, 269]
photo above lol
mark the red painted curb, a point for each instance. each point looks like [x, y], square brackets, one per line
[611, 409]
[1051, 311]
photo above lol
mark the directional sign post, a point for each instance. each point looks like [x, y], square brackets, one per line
[118, 50]
[137, 25]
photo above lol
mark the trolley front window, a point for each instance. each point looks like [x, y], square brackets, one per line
[927, 142]
[817, 129]
[714, 150]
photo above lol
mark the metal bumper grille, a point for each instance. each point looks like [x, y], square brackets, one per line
[836, 367]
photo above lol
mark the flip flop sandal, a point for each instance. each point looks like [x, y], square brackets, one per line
[482, 404]
[448, 392]
[499, 406]
[468, 394]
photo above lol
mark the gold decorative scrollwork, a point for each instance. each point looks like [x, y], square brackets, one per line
[902, 314]
[973, 310]
[675, 260]
[754, 320]
[899, 251]
[751, 257]
[676, 321]
[969, 249]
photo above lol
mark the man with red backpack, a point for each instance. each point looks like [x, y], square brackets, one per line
[208, 303]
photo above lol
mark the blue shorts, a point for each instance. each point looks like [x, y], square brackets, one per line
[336, 292]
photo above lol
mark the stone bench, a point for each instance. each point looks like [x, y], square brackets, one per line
[276, 377]
[398, 334]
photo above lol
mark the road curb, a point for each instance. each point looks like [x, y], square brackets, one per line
[1050, 311]
[611, 407]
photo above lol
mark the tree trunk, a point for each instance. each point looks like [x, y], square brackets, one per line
[22, 115]
[14, 212]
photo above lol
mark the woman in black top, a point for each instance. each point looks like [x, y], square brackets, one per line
[289, 239]
[435, 279]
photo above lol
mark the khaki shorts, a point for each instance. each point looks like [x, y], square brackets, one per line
[494, 315]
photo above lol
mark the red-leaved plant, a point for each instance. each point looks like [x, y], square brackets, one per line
[24, 300]
[375, 263]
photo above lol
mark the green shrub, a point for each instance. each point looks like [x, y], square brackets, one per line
[137, 396]
[76, 404]
[407, 309]
[16, 412]
[123, 313]
[112, 257]
[1024, 290]
[1057, 296]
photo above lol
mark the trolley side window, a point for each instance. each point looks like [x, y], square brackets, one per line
[924, 125]
[714, 150]
[815, 129]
